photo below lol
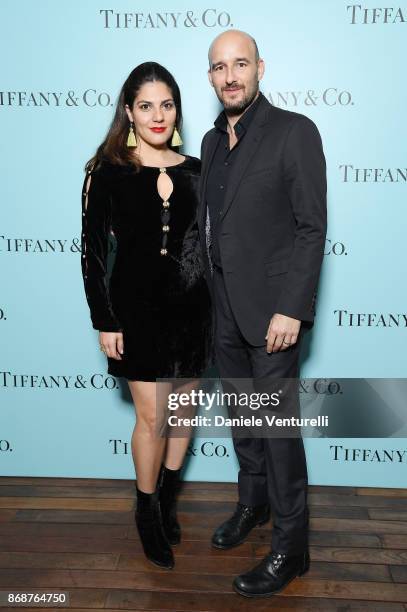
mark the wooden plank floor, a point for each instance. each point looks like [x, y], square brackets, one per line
[78, 535]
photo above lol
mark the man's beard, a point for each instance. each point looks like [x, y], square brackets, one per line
[238, 107]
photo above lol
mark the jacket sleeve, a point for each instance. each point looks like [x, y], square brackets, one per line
[96, 220]
[305, 180]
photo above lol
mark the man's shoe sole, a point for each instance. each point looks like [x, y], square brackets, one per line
[223, 547]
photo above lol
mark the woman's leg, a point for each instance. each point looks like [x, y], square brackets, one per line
[179, 438]
[147, 445]
[177, 444]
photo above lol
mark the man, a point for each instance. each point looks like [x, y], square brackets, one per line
[262, 223]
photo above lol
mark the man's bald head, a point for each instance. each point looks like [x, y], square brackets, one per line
[235, 70]
[233, 36]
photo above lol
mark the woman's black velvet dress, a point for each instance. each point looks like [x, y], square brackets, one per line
[159, 300]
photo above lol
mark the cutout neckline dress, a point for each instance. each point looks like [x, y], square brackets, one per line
[156, 293]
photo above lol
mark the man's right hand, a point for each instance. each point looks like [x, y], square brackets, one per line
[112, 343]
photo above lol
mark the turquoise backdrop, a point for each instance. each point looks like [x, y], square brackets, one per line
[63, 64]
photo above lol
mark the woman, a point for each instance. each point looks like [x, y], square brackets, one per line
[153, 316]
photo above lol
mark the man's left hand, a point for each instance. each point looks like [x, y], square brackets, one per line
[282, 333]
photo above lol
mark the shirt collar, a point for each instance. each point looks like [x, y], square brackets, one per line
[240, 126]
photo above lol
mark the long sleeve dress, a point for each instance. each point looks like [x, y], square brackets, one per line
[156, 294]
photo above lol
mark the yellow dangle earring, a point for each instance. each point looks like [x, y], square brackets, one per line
[131, 138]
[176, 139]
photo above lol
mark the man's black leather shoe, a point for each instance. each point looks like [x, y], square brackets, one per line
[234, 530]
[272, 574]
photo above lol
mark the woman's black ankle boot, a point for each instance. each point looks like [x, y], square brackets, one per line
[150, 527]
[168, 488]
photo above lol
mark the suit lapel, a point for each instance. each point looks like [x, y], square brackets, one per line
[205, 171]
[246, 150]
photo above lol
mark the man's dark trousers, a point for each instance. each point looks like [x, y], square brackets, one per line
[272, 470]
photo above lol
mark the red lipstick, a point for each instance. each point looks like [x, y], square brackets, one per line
[158, 130]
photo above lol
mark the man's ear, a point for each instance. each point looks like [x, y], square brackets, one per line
[260, 69]
[210, 76]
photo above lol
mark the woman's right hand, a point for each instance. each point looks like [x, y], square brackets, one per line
[112, 342]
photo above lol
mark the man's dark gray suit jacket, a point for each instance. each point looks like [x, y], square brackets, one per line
[273, 224]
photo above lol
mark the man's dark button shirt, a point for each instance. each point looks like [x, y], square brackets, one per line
[220, 169]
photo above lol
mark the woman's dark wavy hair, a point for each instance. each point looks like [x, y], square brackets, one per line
[114, 148]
